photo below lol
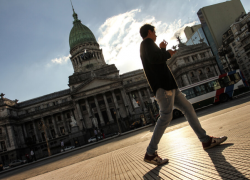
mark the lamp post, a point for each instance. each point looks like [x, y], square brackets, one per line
[117, 122]
[44, 127]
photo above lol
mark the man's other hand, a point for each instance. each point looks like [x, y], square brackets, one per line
[163, 44]
[171, 52]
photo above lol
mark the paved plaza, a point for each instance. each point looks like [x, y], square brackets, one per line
[187, 159]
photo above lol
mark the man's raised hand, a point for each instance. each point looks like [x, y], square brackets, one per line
[163, 44]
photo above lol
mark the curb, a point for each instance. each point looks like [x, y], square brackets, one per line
[81, 147]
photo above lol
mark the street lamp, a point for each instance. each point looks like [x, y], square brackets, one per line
[44, 127]
[117, 122]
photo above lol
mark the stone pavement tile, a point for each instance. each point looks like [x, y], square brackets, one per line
[187, 159]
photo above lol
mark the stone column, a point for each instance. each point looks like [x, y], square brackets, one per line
[190, 59]
[7, 136]
[12, 137]
[140, 97]
[185, 80]
[99, 112]
[21, 135]
[64, 123]
[80, 113]
[189, 80]
[24, 130]
[149, 95]
[124, 100]
[48, 128]
[107, 108]
[55, 126]
[45, 129]
[129, 103]
[116, 104]
[88, 108]
[131, 99]
[35, 130]
[199, 57]
[115, 100]
[198, 77]
[79, 60]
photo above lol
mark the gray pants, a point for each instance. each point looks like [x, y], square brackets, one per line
[166, 100]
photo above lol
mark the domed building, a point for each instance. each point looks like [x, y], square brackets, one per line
[97, 97]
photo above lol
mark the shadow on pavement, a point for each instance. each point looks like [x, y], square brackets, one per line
[223, 167]
[154, 173]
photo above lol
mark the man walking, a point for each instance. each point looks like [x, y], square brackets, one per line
[62, 145]
[32, 154]
[167, 94]
[96, 134]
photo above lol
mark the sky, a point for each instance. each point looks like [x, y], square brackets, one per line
[34, 37]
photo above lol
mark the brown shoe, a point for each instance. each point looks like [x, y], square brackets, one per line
[214, 141]
[155, 159]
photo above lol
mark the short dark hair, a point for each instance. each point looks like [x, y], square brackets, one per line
[144, 30]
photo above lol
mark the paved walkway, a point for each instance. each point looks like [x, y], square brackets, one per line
[187, 159]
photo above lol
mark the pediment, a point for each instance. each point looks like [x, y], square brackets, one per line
[98, 83]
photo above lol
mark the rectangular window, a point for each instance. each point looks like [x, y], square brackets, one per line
[189, 93]
[118, 98]
[199, 90]
[214, 84]
[68, 115]
[194, 57]
[50, 121]
[101, 103]
[59, 118]
[109, 100]
[83, 108]
[1, 131]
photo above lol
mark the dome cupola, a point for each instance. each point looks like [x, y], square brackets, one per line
[79, 33]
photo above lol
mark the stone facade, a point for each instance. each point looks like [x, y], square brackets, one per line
[193, 63]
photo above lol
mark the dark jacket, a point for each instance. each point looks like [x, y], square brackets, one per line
[155, 68]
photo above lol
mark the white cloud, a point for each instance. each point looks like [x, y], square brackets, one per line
[120, 38]
[60, 60]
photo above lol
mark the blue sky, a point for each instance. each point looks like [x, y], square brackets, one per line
[34, 37]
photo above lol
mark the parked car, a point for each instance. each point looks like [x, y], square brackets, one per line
[6, 167]
[17, 162]
[135, 124]
[1, 166]
[67, 148]
[93, 139]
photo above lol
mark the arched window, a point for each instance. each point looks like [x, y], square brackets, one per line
[200, 72]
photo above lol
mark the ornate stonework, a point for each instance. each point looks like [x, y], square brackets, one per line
[192, 64]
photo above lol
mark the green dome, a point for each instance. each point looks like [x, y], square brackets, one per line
[80, 34]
